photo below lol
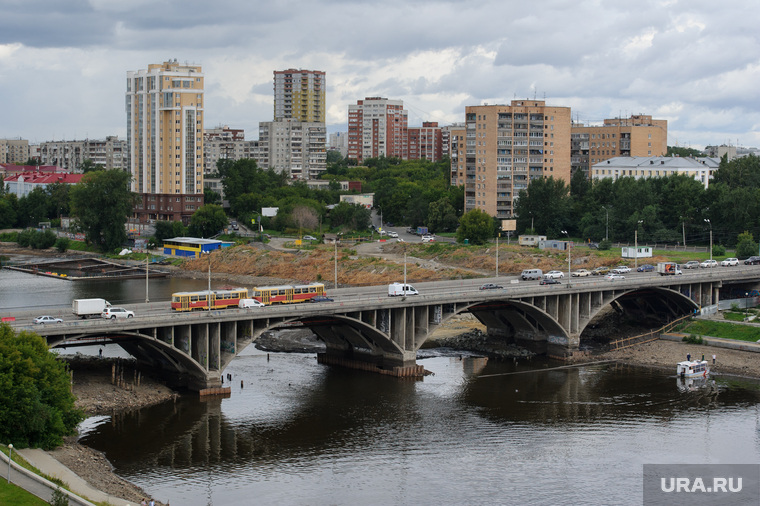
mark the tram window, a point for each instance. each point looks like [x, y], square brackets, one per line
[194, 298]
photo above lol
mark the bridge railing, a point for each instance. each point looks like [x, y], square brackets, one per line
[650, 336]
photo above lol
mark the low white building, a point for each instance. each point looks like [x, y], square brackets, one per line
[701, 169]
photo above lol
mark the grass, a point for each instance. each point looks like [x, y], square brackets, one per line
[722, 329]
[11, 494]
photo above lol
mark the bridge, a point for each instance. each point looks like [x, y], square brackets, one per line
[365, 328]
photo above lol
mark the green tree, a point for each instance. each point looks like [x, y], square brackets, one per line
[442, 216]
[36, 404]
[89, 166]
[42, 239]
[8, 208]
[546, 203]
[745, 245]
[350, 216]
[168, 229]
[33, 208]
[208, 220]
[476, 226]
[211, 197]
[62, 244]
[102, 202]
[59, 196]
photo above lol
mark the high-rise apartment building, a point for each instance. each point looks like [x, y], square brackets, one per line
[377, 127]
[507, 146]
[639, 135]
[14, 151]
[455, 146]
[299, 95]
[109, 153]
[224, 143]
[294, 147]
[425, 142]
[164, 107]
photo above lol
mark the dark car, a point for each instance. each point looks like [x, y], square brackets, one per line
[322, 298]
[645, 268]
[754, 260]
[491, 286]
[550, 281]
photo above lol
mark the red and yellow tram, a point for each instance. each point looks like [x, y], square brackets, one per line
[287, 294]
[218, 299]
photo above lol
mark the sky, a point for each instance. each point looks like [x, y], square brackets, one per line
[63, 63]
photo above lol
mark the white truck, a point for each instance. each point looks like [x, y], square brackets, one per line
[84, 308]
[669, 269]
[400, 289]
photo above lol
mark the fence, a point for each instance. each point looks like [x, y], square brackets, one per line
[652, 335]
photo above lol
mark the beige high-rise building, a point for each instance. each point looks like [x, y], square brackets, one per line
[299, 95]
[455, 147]
[164, 107]
[15, 151]
[507, 146]
[639, 135]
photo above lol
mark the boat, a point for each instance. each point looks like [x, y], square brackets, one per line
[692, 369]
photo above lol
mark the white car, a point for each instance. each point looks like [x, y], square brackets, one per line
[555, 274]
[309, 238]
[730, 262]
[621, 269]
[41, 320]
[581, 273]
[428, 238]
[249, 303]
[709, 264]
[613, 276]
[111, 313]
[393, 234]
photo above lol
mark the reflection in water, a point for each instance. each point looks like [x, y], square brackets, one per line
[301, 433]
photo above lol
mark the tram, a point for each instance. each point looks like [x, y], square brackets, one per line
[218, 299]
[287, 294]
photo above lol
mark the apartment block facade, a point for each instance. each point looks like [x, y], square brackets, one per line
[377, 127]
[457, 151]
[509, 145]
[14, 151]
[224, 143]
[639, 135]
[299, 95]
[425, 142]
[295, 147]
[164, 106]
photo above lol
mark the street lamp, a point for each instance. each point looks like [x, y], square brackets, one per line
[569, 274]
[636, 245]
[10, 457]
[147, 257]
[607, 223]
[498, 233]
[707, 220]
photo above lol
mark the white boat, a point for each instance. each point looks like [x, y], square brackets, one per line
[692, 369]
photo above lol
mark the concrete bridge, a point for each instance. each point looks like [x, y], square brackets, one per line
[367, 329]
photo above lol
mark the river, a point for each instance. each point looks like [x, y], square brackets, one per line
[297, 432]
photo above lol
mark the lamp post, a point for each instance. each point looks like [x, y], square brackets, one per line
[636, 245]
[497, 253]
[606, 223]
[404, 266]
[335, 257]
[147, 257]
[707, 220]
[532, 231]
[208, 295]
[569, 273]
[10, 457]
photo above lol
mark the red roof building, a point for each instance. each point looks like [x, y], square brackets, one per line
[22, 184]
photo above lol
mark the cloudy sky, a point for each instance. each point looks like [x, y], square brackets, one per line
[63, 63]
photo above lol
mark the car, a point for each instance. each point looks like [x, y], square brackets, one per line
[599, 271]
[593, 245]
[554, 274]
[550, 281]
[621, 269]
[753, 260]
[249, 303]
[428, 238]
[309, 238]
[691, 264]
[111, 313]
[321, 298]
[729, 262]
[393, 234]
[645, 268]
[580, 273]
[41, 320]
[612, 276]
[234, 225]
[491, 286]
[709, 264]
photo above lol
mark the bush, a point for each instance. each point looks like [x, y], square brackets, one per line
[692, 339]
[59, 498]
[735, 307]
[25, 238]
[62, 244]
[42, 239]
[718, 250]
[604, 245]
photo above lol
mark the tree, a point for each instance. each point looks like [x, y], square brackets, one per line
[442, 216]
[211, 197]
[8, 206]
[207, 220]
[745, 245]
[476, 226]
[36, 404]
[547, 205]
[102, 202]
[305, 217]
[90, 166]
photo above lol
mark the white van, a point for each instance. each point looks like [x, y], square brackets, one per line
[249, 303]
[532, 274]
[397, 289]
